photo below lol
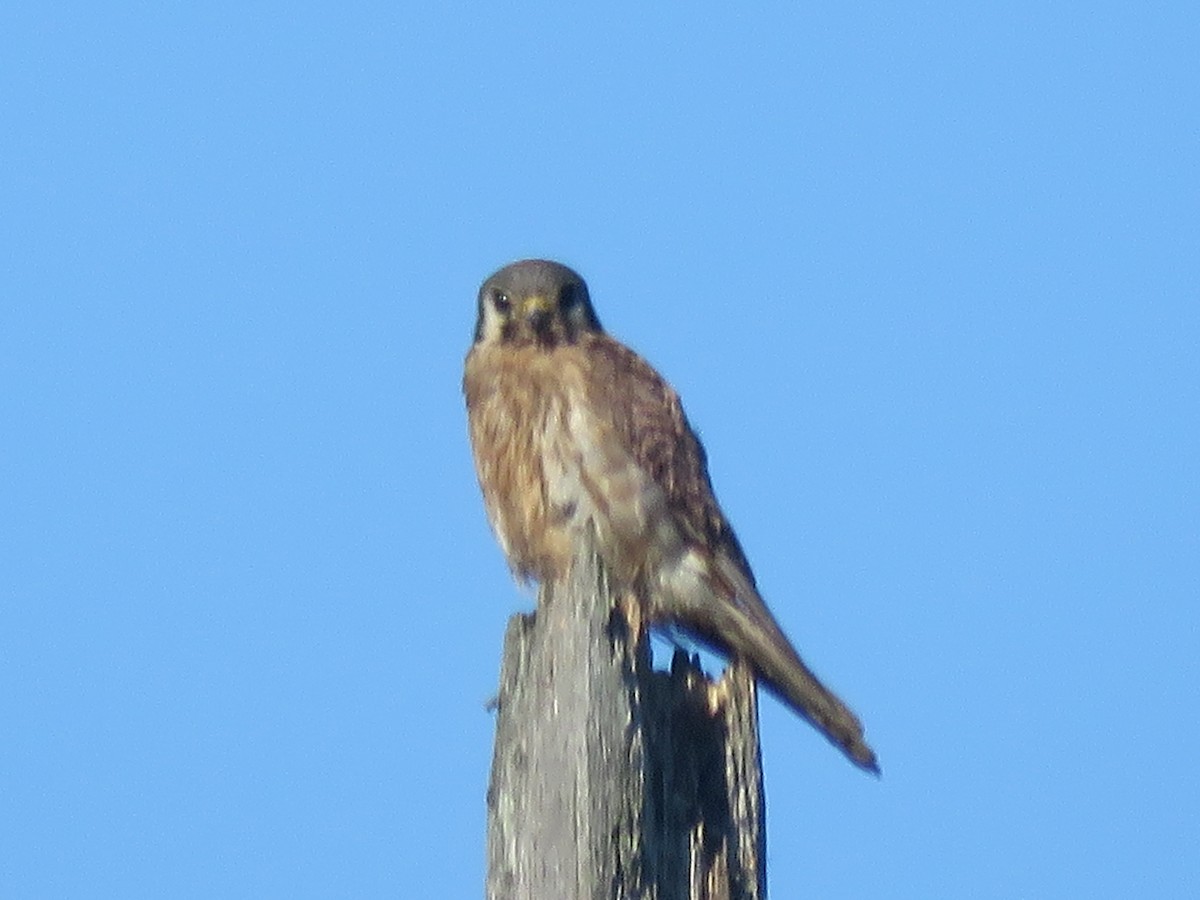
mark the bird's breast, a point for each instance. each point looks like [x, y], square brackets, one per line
[551, 462]
[519, 416]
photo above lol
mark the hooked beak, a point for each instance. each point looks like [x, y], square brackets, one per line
[537, 312]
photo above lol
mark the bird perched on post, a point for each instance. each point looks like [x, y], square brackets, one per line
[570, 429]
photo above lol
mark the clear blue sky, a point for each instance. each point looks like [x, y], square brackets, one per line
[925, 276]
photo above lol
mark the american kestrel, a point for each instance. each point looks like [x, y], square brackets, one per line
[571, 428]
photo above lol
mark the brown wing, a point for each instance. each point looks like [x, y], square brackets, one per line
[732, 616]
[652, 425]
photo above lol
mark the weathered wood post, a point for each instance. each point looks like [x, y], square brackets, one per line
[611, 780]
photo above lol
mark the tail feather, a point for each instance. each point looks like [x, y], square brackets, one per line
[727, 612]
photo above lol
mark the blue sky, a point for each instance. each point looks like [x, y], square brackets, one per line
[926, 277]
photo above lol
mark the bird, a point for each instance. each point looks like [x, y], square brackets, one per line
[571, 431]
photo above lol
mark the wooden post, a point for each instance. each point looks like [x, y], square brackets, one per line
[611, 780]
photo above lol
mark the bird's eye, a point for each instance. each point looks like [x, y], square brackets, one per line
[501, 302]
[567, 296]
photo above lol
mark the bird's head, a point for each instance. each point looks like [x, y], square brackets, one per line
[534, 302]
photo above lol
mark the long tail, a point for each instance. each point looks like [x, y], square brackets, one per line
[726, 611]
